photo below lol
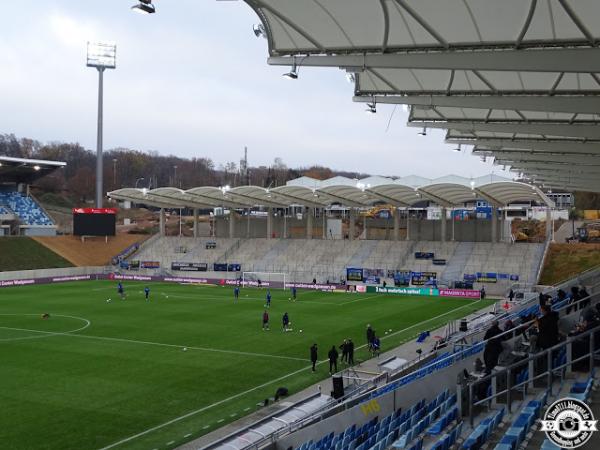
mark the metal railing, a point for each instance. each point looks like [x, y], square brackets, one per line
[549, 373]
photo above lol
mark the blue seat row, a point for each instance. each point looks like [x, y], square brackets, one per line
[448, 439]
[26, 208]
[482, 431]
[516, 433]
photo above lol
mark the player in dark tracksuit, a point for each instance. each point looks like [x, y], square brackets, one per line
[286, 321]
[120, 290]
[265, 320]
[147, 293]
[236, 293]
[333, 357]
[313, 356]
[294, 293]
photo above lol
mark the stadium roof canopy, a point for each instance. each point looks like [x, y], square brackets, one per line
[512, 75]
[20, 170]
[449, 191]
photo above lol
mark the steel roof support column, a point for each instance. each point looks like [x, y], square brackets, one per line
[396, 224]
[443, 223]
[503, 226]
[231, 223]
[161, 222]
[324, 227]
[352, 224]
[309, 222]
[549, 225]
[494, 224]
[269, 222]
[407, 224]
[453, 222]
[195, 222]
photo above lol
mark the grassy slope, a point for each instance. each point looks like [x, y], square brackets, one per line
[566, 260]
[23, 253]
[72, 392]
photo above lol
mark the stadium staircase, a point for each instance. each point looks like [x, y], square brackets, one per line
[455, 266]
[363, 253]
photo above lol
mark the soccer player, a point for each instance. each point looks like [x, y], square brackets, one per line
[236, 293]
[120, 290]
[294, 293]
[286, 321]
[265, 321]
[268, 298]
[147, 293]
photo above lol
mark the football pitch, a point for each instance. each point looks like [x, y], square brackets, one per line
[131, 374]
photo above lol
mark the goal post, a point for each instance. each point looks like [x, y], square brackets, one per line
[275, 280]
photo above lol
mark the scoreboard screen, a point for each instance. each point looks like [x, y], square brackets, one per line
[94, 221]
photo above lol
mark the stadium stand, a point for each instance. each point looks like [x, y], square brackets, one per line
[305, 259]
[28, 211]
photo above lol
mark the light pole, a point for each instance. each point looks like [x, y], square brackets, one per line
[115, 172]
[175, 176]
[102, 56]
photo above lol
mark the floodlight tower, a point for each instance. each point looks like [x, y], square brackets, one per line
[102, 56]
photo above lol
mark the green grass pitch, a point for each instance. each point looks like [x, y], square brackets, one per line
[97, 373]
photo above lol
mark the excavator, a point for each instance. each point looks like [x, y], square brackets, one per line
[589, 232]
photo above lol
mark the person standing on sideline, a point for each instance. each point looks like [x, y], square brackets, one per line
[313, 356]
[350, 352]
[482, 293]
[236, 293]
[511, 295]
[147, 293]
[344, 349]
[370, 336]
[268, 305]
[294, 293]
[333, 357]
[376, 346]
[121, 290]
[265, 321]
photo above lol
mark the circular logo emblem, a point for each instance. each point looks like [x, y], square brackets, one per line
[569, 423]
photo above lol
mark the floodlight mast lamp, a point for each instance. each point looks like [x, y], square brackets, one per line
[102, 56]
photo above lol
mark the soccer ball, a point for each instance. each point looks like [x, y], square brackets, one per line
[300, 331]
[390, 330]
[386, 332]
[290, 298]
[185, 349]
[167, 296]
[108, 300]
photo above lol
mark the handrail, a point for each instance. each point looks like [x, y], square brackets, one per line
[526, 362]
[543, 260]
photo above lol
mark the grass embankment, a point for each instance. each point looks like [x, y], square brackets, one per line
[23, 253]
[567, 260]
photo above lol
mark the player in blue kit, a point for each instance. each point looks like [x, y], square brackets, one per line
[294, 293]
[236, 293]
[147, 293]
[268, 305]
[120, 290]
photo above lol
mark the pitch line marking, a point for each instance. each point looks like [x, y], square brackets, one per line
[204, 349]
[268, 383]
[44, 334]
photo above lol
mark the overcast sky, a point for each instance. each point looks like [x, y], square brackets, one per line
[192, 80]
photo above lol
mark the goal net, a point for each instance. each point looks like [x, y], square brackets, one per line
[264, 279]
